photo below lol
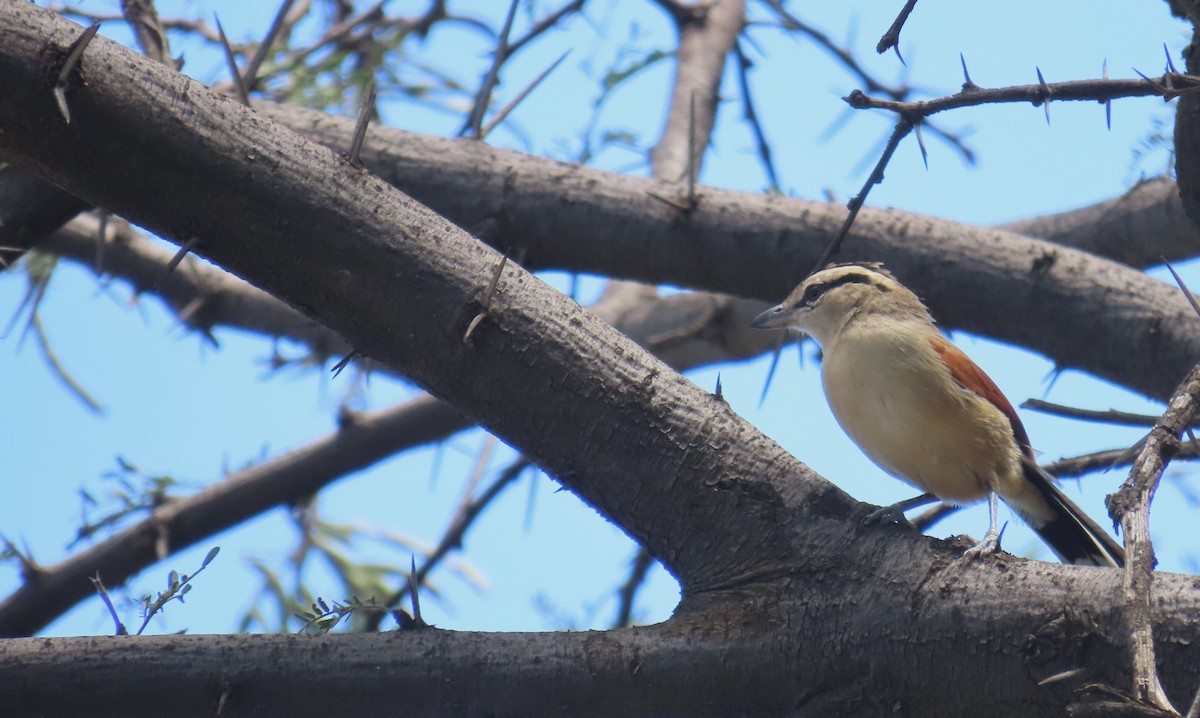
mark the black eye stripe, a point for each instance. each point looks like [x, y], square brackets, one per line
[816, 291]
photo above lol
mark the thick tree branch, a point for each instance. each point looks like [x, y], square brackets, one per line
[368, 438]
[707, 33]
[611, 224]
[29, 209]
[764, 653]
[1140, 228]
[401, 284]
[203, 297]
[741, 523]
[1081, 311]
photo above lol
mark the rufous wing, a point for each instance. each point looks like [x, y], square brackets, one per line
[969, 376]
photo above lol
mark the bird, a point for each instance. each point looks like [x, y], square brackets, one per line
[922, 411]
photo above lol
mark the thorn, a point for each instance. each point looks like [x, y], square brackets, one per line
[418, 622]
[1107, 103]
[1170, 62]
[250, 76]
[183, 251]
[1045, 93]
[762, 399]
[486, 300]
[231, 61]
[504, 111]
[1179, 280]
[968, 84]
[74, 55]
[345, 362]
[669, 201]
[1152, 83]
[1168, 90]
[921, 144]
[364, 119]
[1058, 677]
[719, 393]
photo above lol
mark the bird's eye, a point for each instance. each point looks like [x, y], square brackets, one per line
[813, 293]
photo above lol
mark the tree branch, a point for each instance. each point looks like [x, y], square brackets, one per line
[1131, 507]
[1081, 311]
[611, 224]
[244, 494]
[540, 371]
[1140, 228]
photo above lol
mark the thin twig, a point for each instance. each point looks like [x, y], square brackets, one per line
[1107, 460]
[628, 591]
[453, 537]
[512, 105]
[751, 117]
[250, 75]
[891, 38]
[903, 127]
[545, 24]
[483, 97]
[1101, 90]
[1071, 468]
[331, 35]
[1111, 416]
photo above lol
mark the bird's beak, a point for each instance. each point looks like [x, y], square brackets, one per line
[774, 318]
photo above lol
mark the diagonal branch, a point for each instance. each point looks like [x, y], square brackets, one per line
[366, 439]
[1131, 507]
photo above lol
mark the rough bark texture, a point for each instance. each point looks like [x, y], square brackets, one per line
[1081, 311]
[788, 606]
[1140, 228]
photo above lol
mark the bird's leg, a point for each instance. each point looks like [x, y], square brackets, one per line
[991, 540]
[894, 514]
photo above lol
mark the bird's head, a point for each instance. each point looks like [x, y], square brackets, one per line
[825, 302]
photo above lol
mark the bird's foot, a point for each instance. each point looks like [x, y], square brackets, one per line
[893, 514]
[988, 546]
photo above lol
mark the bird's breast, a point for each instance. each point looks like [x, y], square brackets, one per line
[891, 394]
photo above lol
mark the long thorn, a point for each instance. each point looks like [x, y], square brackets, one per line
[512, 105]
[73, 57]
[364, 119]
[231, 61]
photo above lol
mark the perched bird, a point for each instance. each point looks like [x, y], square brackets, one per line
[924, 412]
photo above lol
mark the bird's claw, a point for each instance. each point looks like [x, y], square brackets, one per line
[893, 514]
[988, 546]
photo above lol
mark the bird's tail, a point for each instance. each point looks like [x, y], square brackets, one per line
[1073, 536]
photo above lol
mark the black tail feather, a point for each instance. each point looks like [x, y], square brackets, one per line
[1073, 536]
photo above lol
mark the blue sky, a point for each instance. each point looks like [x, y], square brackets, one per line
[175, 405]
